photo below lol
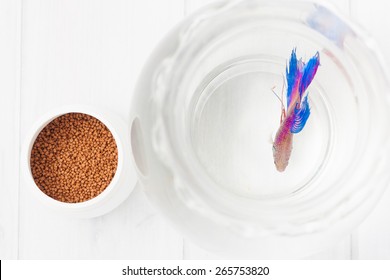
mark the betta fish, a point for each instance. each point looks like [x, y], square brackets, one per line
[293, 118]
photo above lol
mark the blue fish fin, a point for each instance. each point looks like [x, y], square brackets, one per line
[293, 73]
[309, 72]
[301, 116]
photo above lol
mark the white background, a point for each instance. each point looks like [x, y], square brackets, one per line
[55, 52]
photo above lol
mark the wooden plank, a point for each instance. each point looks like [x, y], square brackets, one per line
[343, 5]
[191, 6]
[372, 239]
[192, 251]
[339, 251]
[373, 17]
[91, 52]
[10, 22]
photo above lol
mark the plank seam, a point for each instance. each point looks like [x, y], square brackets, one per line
[19, 25]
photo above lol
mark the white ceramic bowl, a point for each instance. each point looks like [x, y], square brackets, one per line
[119, 188]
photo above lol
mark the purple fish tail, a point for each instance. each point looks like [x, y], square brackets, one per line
[302, 109]
[309, 72]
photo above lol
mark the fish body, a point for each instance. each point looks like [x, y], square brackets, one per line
[282, 145]
[299, 75]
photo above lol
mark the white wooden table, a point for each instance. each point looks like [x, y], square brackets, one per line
[56, 52]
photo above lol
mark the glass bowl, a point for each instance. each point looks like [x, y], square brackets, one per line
[204, 117]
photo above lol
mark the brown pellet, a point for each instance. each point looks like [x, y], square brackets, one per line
[74, 158]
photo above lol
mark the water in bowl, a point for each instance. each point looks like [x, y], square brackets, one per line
[235, 119]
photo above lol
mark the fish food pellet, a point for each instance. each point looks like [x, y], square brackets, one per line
[74, 158]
